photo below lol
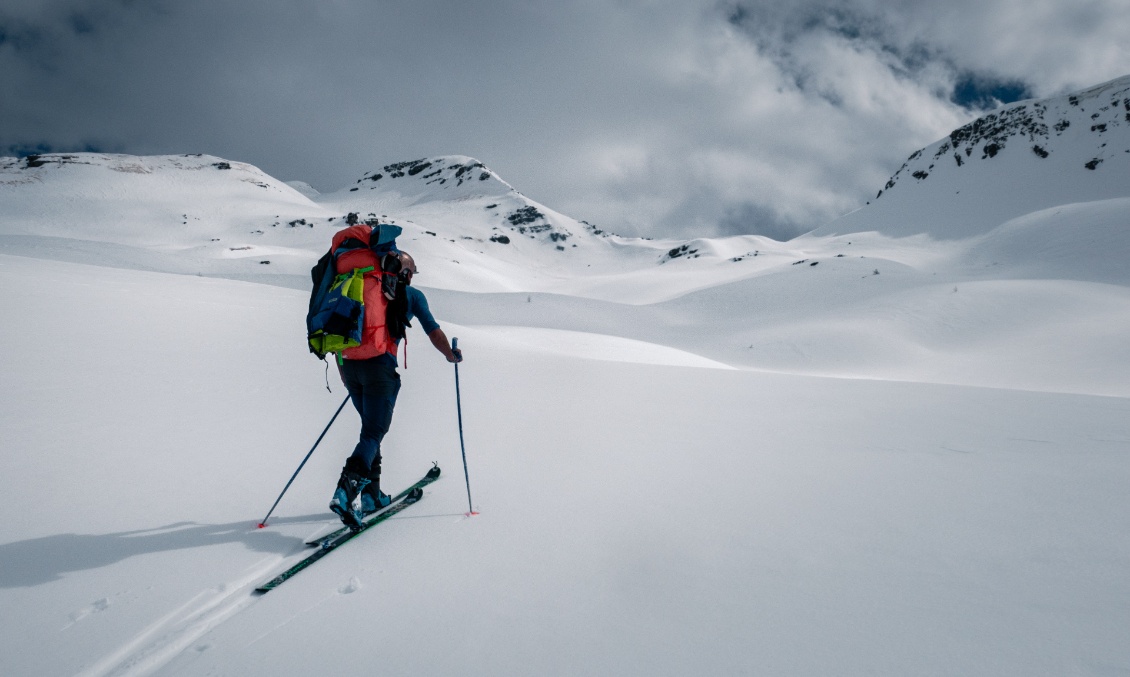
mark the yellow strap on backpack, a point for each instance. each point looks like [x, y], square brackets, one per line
[353, 283]
[352, 287]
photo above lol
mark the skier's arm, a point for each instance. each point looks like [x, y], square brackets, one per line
[418, 307]
[439, 340]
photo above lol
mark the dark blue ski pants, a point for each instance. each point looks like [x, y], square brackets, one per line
[373, 385]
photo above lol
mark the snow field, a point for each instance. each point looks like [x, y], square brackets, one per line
[636, 518]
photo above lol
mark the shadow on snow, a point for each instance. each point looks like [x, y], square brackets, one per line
[42, 560]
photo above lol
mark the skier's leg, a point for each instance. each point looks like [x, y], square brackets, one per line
[376, 385]
[379, 385]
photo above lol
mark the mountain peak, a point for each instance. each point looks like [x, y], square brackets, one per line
[1025, 156]
[444, 177]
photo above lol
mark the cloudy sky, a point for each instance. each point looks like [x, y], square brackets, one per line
[645, 117]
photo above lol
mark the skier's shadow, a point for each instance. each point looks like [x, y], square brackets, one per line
[42, 560]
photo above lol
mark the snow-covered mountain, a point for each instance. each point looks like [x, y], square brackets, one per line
[1023, 158]
[206, 215]
[895, 445]
[183, 199]
[225, 217]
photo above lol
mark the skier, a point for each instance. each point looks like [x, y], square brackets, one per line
[369, 370]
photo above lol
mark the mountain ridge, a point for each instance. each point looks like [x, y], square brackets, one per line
[1021, 158]
[477, 233]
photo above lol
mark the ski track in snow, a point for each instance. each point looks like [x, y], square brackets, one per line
[170, 635]
[168, 638]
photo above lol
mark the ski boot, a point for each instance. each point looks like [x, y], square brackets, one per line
[373, 499]
[348, 487]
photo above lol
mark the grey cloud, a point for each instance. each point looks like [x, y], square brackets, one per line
[784, 33]
[1048, 45]
[755, 219]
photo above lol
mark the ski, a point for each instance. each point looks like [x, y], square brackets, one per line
[332, 541]
[424, 481]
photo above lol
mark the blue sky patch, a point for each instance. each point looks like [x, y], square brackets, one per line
[981, 93]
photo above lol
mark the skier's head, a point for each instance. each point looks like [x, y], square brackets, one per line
[407, 264]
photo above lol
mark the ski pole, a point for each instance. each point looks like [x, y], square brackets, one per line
[462, 448]
[264, 522]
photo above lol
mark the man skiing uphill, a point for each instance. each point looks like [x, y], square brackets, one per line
[369, 369]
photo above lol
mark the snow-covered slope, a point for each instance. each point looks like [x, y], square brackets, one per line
[636, 518]
[230, 219]
[470, 230]
[182, 200]
[1025, 157]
